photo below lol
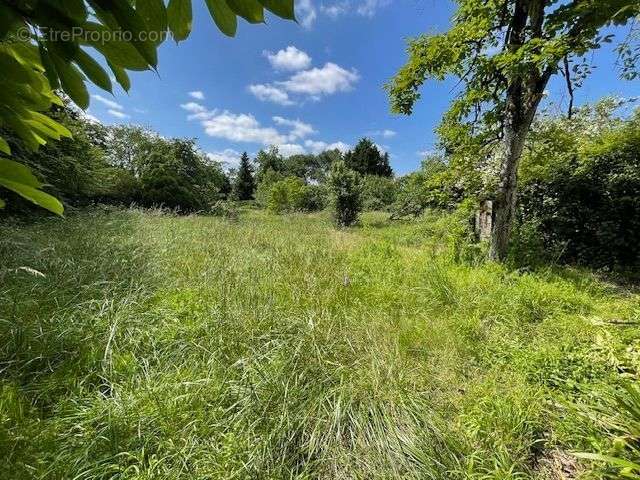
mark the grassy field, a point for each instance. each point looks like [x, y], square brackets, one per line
[140, 345]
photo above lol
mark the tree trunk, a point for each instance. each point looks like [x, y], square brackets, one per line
[523, 97]
[504, 206]
[522, 104]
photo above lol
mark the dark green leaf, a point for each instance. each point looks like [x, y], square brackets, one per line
[49, 67]
[250, 10]
[130, 21]
[72, 82]
[116, 50]
[121, 76]
[154, 14]
[180, 18]
[13, 70]
[24, 131]
[34, 195]
[4, 147]
[282, 8]
[18, 173]
[9, 20]
[76, 9]
[224, 17]
[93, 70]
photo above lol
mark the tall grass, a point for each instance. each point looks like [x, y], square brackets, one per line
[154, 346]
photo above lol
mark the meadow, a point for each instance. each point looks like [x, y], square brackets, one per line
[137, 344]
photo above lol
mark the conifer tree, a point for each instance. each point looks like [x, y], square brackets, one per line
[366, 159]
[245, 185]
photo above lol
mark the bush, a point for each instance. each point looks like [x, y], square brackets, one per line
[292, 195]
[225, 209]
[378, 193]
[346, 194]
[583, 199]
[263, 189]
[433, 186]
[314, 198]
[286, 195]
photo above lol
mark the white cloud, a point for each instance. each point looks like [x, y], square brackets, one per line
[288, 149]
[109, 103]
[319, 147]
[364, 8]
[193, 107]
[306, 13]
[368, 8]
[327, 80]
[386, 133]
[241, 128]
[228, 157]
[335, 10]
[197, 94]
[288, 59]
[118, 114]
[245, 127]
[269, 93]
[299, 129]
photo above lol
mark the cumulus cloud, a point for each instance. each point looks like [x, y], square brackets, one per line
[386, 133]
[312, 83]
[299, 129]
[241, 128]
[197, 94]
[306, 13]
[227, 157]
[118, 114]
[316, 82]
[244, 127]
[193, 107]
[319, 146]
[271, 93]
[288, 149]
[288, 59]
[109, 103]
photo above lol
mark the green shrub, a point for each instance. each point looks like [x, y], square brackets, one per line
[314, 198]
[346, 194]
[263, 189]
[286, 195]
[583, 197]
[378, 193]
[433, 186]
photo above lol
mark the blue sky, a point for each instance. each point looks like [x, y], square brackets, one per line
[304, 86]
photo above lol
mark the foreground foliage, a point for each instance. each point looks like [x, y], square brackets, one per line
[45, 45]
[142, 345]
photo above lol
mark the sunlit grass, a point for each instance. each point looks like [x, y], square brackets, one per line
[158, 346]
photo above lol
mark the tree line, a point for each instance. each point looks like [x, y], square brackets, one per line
[132, 164]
